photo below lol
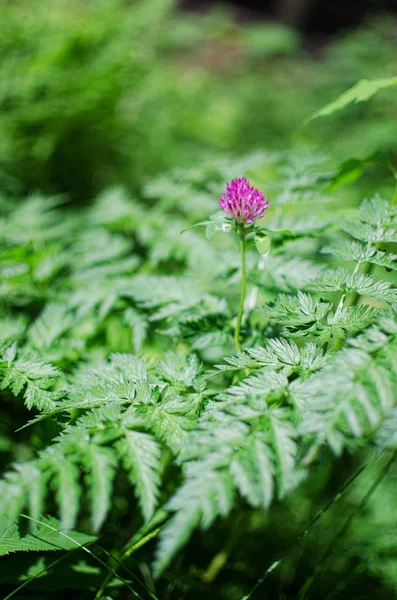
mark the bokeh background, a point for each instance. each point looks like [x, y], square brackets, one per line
[97, 93]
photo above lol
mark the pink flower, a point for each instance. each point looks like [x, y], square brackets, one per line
[243, 202]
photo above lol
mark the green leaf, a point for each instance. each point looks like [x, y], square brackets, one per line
[151, 291]
[283, 275]
[216, 227]
[29, 374]
[139, 327]
[219, 222]
[266, 384]
[200, 224]
[350, 170]
[347, 320]
[141, 458]
[172, 417]
[44, 538]
[362, 91]
[204, 495]
[347, 399]
[129, 366]
[304, 315]
[262, 243]
[102, 464]
[378, 211]
[52, 323]
[300, 314]
[286, 449]
[179, 370]
[358, 252]
[67, 486]
[278, 354]
[252, 472]
[340, 280]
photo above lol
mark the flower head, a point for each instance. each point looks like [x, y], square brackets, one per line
[243, 202]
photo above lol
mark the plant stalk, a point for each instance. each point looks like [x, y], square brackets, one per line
[348, 300]
[394, 199]
[117, 559]
[221, 558]
[243, 290]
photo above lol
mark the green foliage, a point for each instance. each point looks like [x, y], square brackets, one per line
[136, 111]
[27, 373]
[361, 92]
[350, 396]
[184, 426]
[45, 537]
[128, 422]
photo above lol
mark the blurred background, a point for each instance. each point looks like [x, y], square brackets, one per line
[95, 93]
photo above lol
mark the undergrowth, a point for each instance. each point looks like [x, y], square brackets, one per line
[146, 434]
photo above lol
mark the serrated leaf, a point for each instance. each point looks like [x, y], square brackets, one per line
[179, 370]
[202, 497]
[340, 402]
[172, 418]
[43, 539]
[278, 354]
[141, 458]
[284, 435]
[266, 383]
[286, 275]
[340, 280]
[52, 323]
[252, 472]
[67, 489]
[29, 374]
[139, 327]
[301, 314]
[156, 290]
[378, 211]
[102, 468]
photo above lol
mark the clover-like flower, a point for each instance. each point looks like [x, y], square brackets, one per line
[243, 202]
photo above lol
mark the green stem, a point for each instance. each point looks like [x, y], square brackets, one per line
[348, 300]
[113, 563]
[393, 170]
[118, 559]
[243, 290]
[221, 558]
[141, 542]
[394, 199]
[217, 564]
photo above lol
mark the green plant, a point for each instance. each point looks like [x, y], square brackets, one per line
[145, 428]
[190, 415]
[107, 92]
[76, 94]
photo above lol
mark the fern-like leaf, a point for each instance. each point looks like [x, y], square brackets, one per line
[141, 458]
[205, 495]
[340, 280]
[278, 354]
[45, 538]
[27, 373]
[102, 468]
